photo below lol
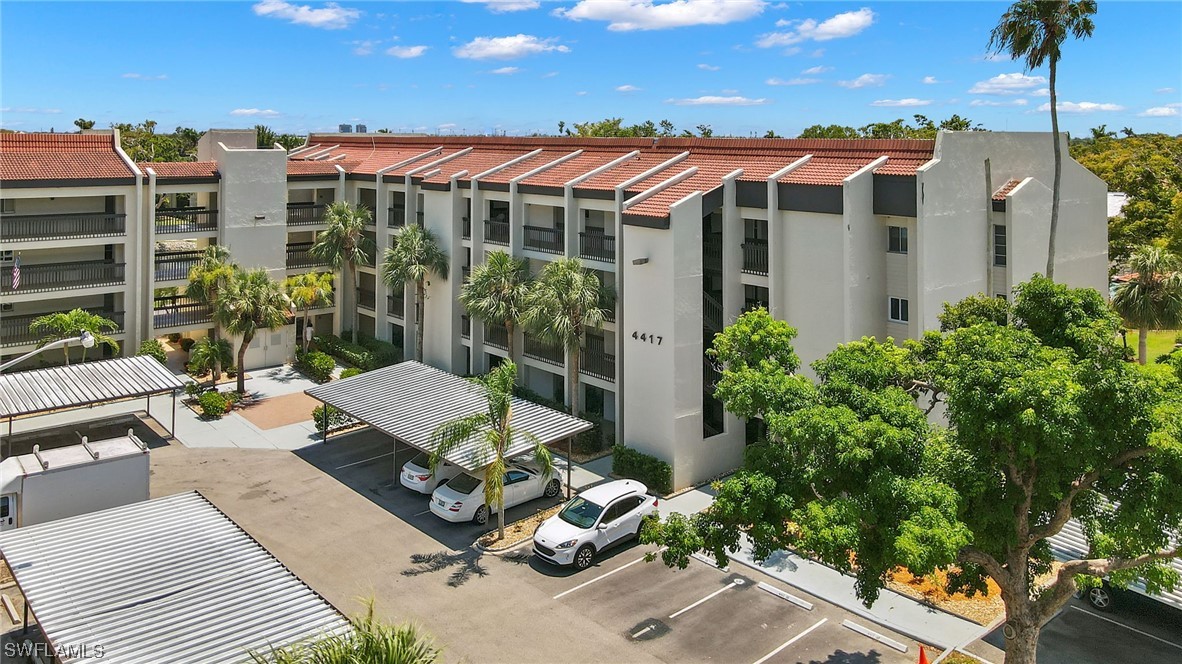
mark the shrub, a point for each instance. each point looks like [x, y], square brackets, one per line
[213, 404]
[336, 419]
[153, 348]
[601, 434]
[187, 344]
[232, 371]
[194, 389]
[317, 366]
[636, 465]
[350, 372]
[174, 337]
[523, 392]
[367, 354]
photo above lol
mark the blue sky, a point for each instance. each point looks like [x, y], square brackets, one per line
[518, 66]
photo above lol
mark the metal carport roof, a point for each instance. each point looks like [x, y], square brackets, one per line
[164, 580]
[76, 385]
[409, 400]
[1072, 544]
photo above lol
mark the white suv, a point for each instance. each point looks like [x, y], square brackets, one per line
[592, 521]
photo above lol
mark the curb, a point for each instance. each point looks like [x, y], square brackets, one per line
[502, 549]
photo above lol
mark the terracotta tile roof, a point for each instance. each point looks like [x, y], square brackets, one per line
[824, 171]
[477, 161]
[1000, 194]
[325, 168]
[181, 169]
[569, 170]
[31, 157]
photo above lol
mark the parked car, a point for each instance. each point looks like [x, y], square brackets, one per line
[416, 474]
[599, 518]
[462, 497]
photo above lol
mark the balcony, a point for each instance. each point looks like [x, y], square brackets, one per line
[496, 335]
[396, 217]
[540, 350]
[298, 257]
[62, 276]
[305, 214]
[466, 233]
[175, 265]
[598, 363]
[396, 305]
[466, 326]
[711, 312]
[711, 374]
[597, 246]
[465, 273]
[14, 330]
[755, 256]
[540, 238]
[366, 299]
[496, 232]
[712, 250]
[14, 228]
[609, 311]
[185, 220]
[177, 310]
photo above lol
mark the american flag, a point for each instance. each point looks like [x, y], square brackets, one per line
[16, 273]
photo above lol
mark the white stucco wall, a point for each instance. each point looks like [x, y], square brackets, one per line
[811, 287]
[253, 220]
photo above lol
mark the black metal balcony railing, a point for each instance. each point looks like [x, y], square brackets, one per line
[597, 246]
[712, 249]
[496, 335]
[466, 232]
[305, 214]
[755, 256]
[598, 363]
[372, 257]
[14, 228]
[710, 375]
[465, 327]
[175, 265]
[62, 276]
[540, 350]
[177, 310]
[366, 299]
[14, 329]
[185, 220]
[396, 305]
[396, 217]
[298, 256]
[496, 232]
[549, 240]
[465, 272]
[711, 313]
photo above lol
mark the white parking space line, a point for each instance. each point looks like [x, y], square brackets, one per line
[767, 587]
[600, 578]
[358, 463]
[732, 584]
[869, 633]
[423, 512]
[635, 636]
[789, 642]
[1131, 629]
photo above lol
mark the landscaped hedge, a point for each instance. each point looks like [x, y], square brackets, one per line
[350, 372]
[600, 436]
[336, 419]
[213, 404]
[153, 348]
[367, 354]
[632, 464]
[317, 366]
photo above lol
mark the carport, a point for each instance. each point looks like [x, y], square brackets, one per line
[166, 580]
[86, 384]
[409, 400]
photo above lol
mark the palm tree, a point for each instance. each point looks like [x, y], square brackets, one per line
[250, 302]
[344, 243]
[565, 301]
[1152, 298]
[1034, 30]
[368, 641]
[495, 292]
[494, 432]
[415, 256]
[70, 324]
[309, 291]
[208, 353]
[207, 279]
[264, 137]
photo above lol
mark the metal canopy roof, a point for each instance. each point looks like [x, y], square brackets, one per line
[165, 580]
[409, 400]
[76, 385]
[1071, 544]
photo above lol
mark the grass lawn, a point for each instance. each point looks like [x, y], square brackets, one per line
[1160, 342]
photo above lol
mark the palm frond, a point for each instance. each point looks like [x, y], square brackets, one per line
[449, 435]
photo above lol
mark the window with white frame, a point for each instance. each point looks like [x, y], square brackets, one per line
[899, 310]
[897, 239]
[999, 245]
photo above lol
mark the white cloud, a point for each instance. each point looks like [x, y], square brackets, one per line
[1041, 92]
[29, 109]
[1007, 84]
[1170, 111]
[995, 102]
[710, 100]
[406, 52]
[846, 24]
[930, 80]
[581, 93]
[146, 77]
[254, 113]
[507, 48]
[865, 81]
[627, 88]
[364, 46]
[792, 81]
[330, 17]
[909, 102]
[1081, 107]
[705, 67]
[625, 15]
[997, 57]
[551, 74]
[504, 71]
[503, 6]
[1164, 91]
[819, 69]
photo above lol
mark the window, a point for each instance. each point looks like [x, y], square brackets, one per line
[621, 508]
[515, 476]
[7, 205]
[897, 239]
[4, 508]
[999, 245]
[898, 312]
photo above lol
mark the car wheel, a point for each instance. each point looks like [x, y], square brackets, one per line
[552, 488]
[584, 556]
[1100, 598]
[481, 515]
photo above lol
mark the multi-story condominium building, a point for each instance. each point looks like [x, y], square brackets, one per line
[841, 238]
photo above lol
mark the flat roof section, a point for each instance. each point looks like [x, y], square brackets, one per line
[409, 400]
[84, 384]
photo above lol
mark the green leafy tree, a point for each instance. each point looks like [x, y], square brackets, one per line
[1034, 30]
[344, 244]
[249, 303]
[369, 641]
[829, 131]
[291, 141]
[264, 136]
[415, 256]
[70, 324]
[615, 128]
[208, 353]
[207, 279]
[564, 302]
[83, 124]
[494, 432]
[979, 308]
[1152, 298]
[154, 349]
[309, 291]
[1046, 422]
[496, 291]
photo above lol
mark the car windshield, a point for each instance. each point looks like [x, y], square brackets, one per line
[581, 513]
[422, 460]
[464, 484]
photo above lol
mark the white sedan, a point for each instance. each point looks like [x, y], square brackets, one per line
[462, 497]
[600, 517]
[416, 474]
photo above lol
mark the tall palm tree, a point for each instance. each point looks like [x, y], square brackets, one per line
[494, 432]
[69, 324]
[250, 302]
[416, 255]
[208, 353]
[1152, 298]
[1034, 30]
[309, 291]
[565, 301]
[495, 292]
[344, 244]
[207, 279]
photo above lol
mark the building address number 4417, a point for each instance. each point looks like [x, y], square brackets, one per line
[655, 339]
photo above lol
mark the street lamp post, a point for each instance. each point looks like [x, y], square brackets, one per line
[86, 339]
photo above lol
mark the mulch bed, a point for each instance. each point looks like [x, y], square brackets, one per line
[516, 532]
[280, 411]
